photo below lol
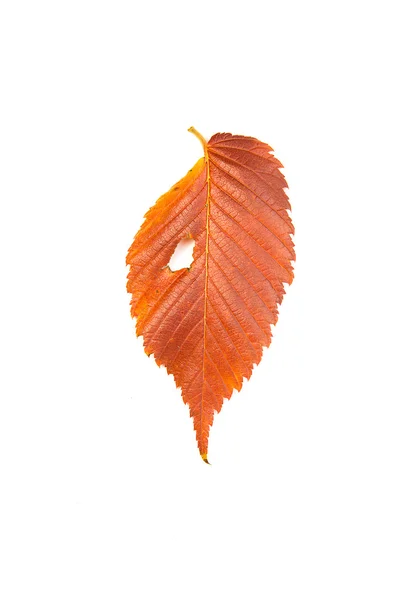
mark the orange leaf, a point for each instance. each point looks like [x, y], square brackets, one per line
[208, 323]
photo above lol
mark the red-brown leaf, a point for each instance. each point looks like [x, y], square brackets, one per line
[208, 324]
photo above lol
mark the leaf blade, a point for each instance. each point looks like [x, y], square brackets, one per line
[233, 204]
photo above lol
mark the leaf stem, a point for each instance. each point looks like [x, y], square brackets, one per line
[199, 137]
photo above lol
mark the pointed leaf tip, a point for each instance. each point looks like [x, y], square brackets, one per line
[204, 457]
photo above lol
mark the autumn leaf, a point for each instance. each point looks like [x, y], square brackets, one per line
[208, 323]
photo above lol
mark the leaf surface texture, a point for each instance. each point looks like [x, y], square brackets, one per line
[208, 324]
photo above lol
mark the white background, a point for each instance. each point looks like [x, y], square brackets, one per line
[103, 494]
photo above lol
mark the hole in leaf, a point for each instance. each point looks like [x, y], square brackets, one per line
[183, 255]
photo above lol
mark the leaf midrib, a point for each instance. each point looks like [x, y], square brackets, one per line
[208, 182]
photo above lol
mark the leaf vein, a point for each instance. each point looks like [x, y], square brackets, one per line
[253, 192]
[179, 324]
[166, 293]
[182, 297]
[229, 334]
[248, 281]
[148, 223]
[238, 295]
[251, 237]
[231, 311]
[223, 353]
[224, 191]
[244, 252]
